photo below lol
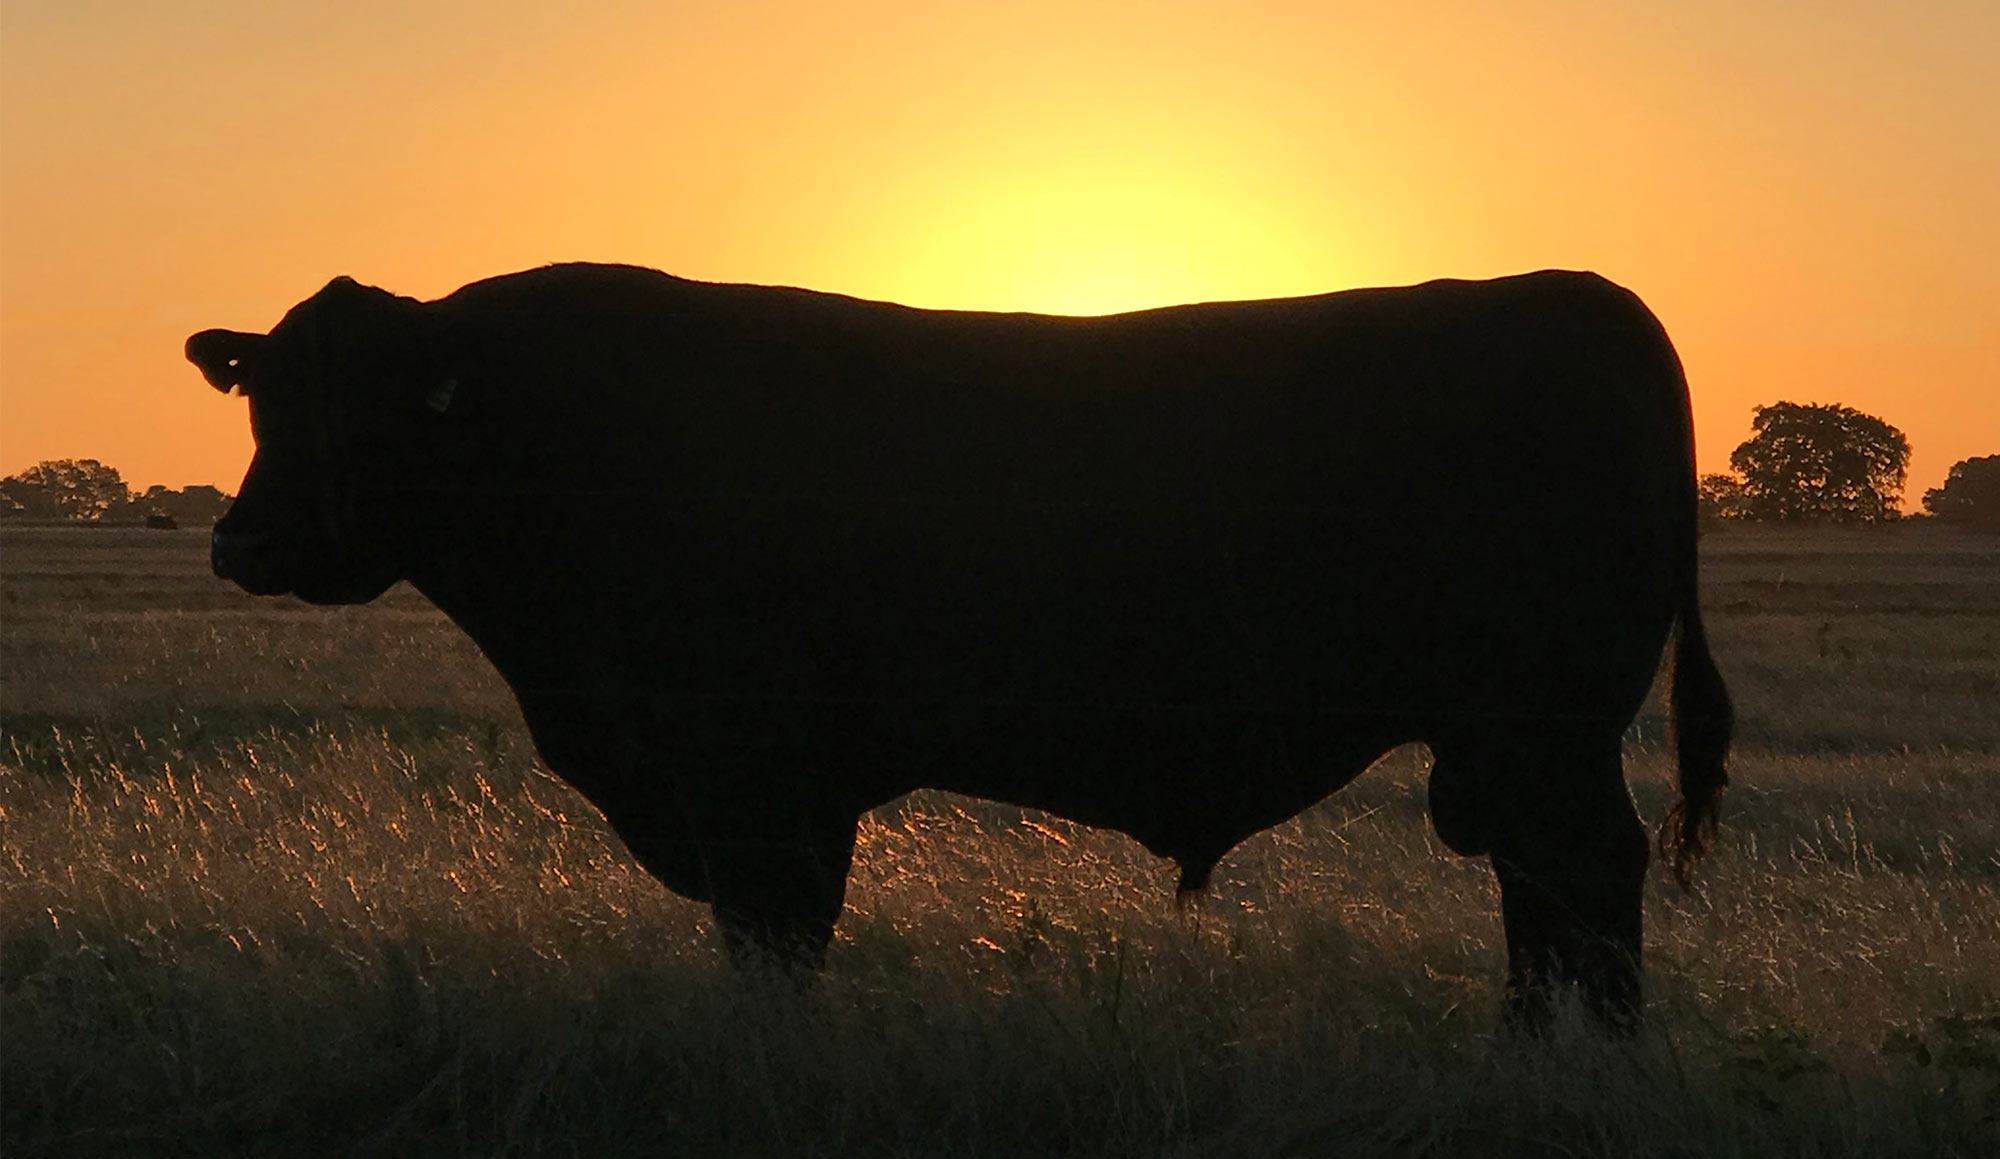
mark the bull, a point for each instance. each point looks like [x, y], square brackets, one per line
[755, 560]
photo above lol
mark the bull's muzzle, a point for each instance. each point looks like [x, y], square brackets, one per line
[247, 558]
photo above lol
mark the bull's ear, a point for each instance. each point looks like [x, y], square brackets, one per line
[226, 357]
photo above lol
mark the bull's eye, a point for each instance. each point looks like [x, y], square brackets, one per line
[440, 397]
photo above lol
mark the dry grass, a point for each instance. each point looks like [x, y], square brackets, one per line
[285, 881]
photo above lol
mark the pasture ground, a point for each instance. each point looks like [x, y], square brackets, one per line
[283, 880]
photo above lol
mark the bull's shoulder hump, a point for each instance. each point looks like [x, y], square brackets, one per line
[567, 279]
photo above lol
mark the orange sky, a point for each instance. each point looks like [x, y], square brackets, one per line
[1809, 198]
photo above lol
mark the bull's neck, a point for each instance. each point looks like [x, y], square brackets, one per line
[501, 612]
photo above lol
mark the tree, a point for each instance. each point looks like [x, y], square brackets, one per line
[196, 506]
[79, 489]
[1970, 495]
[1721, 497]
[1808, 461]
[20, 501]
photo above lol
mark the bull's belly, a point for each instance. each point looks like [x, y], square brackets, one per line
[1187, 782]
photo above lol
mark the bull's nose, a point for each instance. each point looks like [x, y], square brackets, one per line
[228, 549]
[244, 557]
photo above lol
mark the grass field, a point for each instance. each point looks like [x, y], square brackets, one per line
[283, 880]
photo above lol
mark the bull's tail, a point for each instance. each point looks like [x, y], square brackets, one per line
[1702, 722]
[1702, 715]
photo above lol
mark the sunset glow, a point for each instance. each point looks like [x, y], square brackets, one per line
[1807, 200]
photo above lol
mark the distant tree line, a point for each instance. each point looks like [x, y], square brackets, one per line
[87, 491]
[1802, 463]
[1834, 464]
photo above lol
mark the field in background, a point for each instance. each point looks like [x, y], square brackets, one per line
[288, 880]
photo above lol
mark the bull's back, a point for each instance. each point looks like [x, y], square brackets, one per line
[1395, 395]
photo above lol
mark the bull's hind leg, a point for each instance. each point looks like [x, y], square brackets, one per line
[1570, 855]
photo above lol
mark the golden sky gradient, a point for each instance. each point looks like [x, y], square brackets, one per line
[1807, 194]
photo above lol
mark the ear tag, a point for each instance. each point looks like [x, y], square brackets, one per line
[440, 398]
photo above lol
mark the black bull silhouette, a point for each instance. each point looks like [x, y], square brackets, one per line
[756, 560]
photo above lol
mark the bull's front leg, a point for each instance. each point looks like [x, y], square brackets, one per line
[776, 886]
[737, 805]
[773, 869]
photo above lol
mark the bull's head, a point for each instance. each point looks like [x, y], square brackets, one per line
[344, 395]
